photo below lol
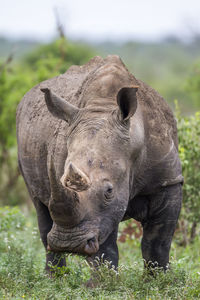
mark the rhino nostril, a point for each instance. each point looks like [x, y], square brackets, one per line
[92, 246]
[92, 240]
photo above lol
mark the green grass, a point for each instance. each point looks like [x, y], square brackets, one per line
[22, 276]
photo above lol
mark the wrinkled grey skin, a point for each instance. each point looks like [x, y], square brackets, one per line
[95, 147]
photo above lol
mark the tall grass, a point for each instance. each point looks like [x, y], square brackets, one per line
[22, 276]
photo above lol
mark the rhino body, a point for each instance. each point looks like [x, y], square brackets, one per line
[97, 146]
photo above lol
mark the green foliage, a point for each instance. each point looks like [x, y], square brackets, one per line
[189, 150]
[11, 219]
[193, 85]
[53, 59]
[13, 84]
[7, 115]
[22, 273]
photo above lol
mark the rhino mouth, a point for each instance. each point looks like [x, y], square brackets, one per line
[76, 240]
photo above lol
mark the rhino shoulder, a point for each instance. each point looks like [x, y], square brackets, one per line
[159, 121]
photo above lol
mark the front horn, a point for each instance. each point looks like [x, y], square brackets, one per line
[73, 178]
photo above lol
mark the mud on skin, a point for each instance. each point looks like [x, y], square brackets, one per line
[96, 146]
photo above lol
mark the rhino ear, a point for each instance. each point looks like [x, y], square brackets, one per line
[127, 102]
[59, 107]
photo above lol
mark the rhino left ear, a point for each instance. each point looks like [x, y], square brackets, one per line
[127, 102]
[59, 107]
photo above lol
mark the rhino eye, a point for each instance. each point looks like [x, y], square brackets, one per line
[108, 191]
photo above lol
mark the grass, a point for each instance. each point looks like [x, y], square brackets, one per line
[22, 276]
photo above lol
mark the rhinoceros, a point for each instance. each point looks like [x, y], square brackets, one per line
[97, 146]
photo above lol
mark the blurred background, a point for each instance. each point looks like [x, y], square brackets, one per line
[159, 41]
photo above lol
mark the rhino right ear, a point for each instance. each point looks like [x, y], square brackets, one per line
[59, 107]
[127, 102]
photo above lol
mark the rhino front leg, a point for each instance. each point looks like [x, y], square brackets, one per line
[159, 228]
[45, 224]
[108, 251]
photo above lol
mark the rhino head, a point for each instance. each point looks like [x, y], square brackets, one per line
[91, 197]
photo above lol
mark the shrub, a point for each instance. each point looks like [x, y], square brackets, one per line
[189, 151]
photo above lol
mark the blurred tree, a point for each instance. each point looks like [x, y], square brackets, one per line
[189, 150]
[55, 58]
[193, 84]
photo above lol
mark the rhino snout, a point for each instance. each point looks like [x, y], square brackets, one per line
[75, 240]
[91, 247]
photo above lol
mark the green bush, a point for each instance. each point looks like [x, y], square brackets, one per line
[55, 58]
[11, 219]
[193, 84]
[189, 151]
